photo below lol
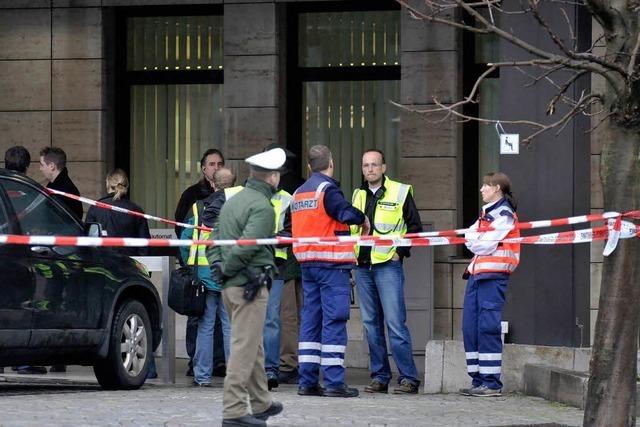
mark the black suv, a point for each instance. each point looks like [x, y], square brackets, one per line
[71, 305]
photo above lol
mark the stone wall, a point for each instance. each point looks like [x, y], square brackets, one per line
[51, 84]
[431, 151]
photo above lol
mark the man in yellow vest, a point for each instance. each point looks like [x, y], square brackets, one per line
[206, 339]
[390, 207]
[280, 201]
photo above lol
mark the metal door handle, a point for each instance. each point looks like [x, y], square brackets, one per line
[41, 250]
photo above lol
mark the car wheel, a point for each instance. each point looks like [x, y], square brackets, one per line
[129, 349]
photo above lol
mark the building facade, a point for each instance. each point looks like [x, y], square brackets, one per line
[148, 85]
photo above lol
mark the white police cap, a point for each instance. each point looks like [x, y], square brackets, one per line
[271, 160]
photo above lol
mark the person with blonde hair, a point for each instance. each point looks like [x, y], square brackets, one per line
[118, 224]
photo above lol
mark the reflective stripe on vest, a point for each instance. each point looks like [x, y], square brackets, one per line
[198, 235]
[506, 257]
[388, 217]
[281, 202]
[309, 218]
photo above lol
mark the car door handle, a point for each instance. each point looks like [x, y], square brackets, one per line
[41, 250]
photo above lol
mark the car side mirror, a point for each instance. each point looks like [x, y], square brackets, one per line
[93, 229]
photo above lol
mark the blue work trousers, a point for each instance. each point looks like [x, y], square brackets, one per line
[381, 297]
[323, 326]
[481, 329]
[272, 330]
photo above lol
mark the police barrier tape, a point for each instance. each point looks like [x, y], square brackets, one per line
[454, 232]
[626, 230]
[123, 210]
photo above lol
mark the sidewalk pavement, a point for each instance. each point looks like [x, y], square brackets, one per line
[75, 399]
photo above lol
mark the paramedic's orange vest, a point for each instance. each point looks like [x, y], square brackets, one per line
[309, 218]
[507, 255]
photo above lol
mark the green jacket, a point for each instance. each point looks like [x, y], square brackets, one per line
[247, 215]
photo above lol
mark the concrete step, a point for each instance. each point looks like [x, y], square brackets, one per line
[558, 385]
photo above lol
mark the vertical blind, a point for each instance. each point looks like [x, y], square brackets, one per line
[165, 43]
[346, 39]
[350, 117]
[171, 126]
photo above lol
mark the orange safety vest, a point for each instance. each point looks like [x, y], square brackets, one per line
[309, 218]
[507, 255]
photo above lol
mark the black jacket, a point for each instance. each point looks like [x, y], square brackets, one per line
[409, 213]
[198, 191]
[118, 224]
[64, 183]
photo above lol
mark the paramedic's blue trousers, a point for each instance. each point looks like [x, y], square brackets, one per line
[323, 326]
[481, 328]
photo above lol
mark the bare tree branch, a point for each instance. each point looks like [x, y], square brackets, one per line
[634, 55]
[585, 61]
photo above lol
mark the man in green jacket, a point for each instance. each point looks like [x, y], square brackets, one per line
[246, 272]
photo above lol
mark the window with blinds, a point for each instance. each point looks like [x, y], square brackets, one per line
[165, 43]
[174, 78]
[347, 39]
[171, 126]
[349, 67]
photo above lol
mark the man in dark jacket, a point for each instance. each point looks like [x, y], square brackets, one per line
[53, 165]
[246, 271]
[211, 161]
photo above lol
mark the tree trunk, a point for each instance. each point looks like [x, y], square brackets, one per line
[611, 397]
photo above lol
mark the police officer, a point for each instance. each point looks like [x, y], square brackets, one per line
[390, 207]
[320, 209]
[245, 272]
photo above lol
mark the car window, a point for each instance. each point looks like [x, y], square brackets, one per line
[36, 213]
[4, 221]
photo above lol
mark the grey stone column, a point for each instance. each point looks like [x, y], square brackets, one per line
[251, 80]
[430, 148]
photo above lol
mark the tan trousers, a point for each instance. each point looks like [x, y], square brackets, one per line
[290, 306]
[245, 368]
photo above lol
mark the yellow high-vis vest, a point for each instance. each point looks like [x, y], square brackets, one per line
[280, 201]
[198, 250]
[388, 219]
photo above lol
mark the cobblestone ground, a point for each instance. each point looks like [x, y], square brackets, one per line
[81, 402]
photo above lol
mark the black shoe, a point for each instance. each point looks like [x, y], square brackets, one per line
[220, 371]
[288, 377]
[311, 391]
[246, 420]
[58, 368]
[272, 383]
[189, 372]
[343, 391]
[274, 409]
[32, 370]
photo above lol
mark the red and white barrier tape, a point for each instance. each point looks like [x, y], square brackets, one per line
[627, 231]
[455, 232]
[125, 211]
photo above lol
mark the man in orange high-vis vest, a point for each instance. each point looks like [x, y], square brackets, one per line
[319, 209]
